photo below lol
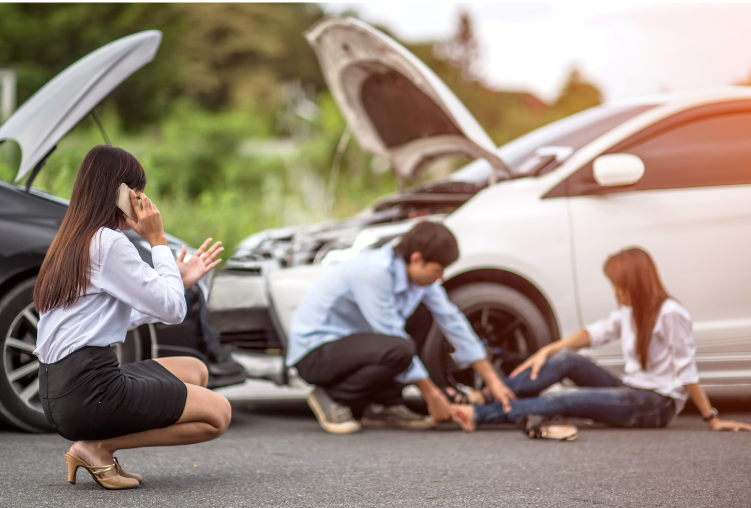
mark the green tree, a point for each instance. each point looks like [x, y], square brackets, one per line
[463, 50]
[241, 52]
[217, 54]
[577, 95]
[40, 40]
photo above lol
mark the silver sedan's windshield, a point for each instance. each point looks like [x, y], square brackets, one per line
[574, 131]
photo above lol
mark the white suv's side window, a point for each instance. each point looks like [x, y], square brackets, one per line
[700, 148]
[710, 151]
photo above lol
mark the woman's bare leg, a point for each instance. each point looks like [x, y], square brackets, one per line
[187, 369]
[206, 416]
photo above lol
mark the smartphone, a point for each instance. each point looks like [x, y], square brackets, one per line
[124, 204]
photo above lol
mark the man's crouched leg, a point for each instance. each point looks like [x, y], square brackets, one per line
[354, 372]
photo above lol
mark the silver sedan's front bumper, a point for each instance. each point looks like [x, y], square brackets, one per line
[238, 310]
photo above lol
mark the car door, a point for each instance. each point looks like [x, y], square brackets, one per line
[692, 212]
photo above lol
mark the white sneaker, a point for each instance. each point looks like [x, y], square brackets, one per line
[378, 416]
[333, 417]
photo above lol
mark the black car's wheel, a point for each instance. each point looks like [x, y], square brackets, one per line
[19, 369]
[510, 326]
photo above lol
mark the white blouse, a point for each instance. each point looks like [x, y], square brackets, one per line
[123, 293]
[670, 359]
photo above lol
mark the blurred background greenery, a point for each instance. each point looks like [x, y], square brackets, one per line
[232, 120]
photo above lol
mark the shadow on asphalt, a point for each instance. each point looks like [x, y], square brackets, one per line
[288, 408]
[296, 409]
[299, 408]
[723, 405]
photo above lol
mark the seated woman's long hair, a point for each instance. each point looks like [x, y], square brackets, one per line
[633, 272]
[66, 269]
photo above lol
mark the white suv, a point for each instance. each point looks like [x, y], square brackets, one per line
[671, 174]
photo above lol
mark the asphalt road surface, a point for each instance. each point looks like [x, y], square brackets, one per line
[274, 454]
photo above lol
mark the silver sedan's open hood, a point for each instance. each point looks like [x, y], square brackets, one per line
[396, 106]
[59, 105]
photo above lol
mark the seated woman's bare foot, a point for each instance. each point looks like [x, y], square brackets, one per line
[92, 453]
[464, 415]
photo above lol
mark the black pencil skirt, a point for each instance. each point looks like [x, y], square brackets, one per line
[88, 396]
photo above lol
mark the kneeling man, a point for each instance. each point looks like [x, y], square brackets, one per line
[357, 333]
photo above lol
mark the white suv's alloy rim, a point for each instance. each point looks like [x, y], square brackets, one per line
[506, 339]
[21, 366]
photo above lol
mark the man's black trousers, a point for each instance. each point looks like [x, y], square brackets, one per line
[359, 369]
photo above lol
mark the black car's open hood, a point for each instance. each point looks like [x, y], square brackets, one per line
[58, 106]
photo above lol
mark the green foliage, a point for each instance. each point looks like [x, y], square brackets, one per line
[577, 95]
[40, 40]
[236, 52]
[216, 54]
[225, 149]
[223, 174]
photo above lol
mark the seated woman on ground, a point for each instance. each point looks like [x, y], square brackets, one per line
[658, 348]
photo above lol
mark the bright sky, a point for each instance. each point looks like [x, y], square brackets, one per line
[626, 48]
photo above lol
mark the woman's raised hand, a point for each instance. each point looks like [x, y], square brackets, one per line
[534, 362]
[149, 225]
[200, 263]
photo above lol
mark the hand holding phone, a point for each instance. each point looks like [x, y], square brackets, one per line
[124, 204]
[147, 221]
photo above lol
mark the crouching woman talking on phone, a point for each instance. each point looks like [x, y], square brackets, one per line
[93, 287]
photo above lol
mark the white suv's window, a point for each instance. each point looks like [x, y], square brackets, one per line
[704, 147]
[707, 152]
[572, 132]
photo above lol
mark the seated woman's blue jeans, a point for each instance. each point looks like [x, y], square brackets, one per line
[602, 397]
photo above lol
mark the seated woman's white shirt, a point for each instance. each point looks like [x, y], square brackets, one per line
[123, 292]
[670, 358]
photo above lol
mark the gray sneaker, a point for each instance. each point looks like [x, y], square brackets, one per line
[333, 417]
[377, 416]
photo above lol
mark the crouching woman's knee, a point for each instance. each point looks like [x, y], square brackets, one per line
[222, 416]
[201, 373]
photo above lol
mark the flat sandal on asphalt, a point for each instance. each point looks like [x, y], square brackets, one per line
[539, 427]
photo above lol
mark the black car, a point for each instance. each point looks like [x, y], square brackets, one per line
[29, 220]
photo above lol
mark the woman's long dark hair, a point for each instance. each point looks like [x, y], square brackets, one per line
[66, 269]
[633, 271]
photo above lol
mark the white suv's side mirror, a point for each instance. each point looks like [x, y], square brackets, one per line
[618, 169]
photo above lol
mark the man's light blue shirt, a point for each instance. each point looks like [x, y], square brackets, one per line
[372, 294]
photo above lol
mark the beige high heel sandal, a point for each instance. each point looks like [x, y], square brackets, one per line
[116, 482]
[122, 472]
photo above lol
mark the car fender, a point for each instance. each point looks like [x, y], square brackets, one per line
[288, 287]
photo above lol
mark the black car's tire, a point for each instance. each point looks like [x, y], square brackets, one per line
[19, 368]
[508, 323]
[18, 334]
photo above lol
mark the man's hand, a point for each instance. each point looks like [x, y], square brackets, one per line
[438, 405]
[502, 394]
[199, 264]
[500, 391]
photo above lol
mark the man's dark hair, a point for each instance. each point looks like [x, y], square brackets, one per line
[434, 241]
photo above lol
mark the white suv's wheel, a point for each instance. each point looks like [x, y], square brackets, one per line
[509, 324]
